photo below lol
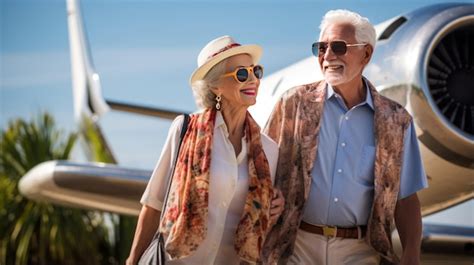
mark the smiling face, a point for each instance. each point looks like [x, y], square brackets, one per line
[343, 69]
[233, 93]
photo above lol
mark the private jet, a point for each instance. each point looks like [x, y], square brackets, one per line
[423, 59]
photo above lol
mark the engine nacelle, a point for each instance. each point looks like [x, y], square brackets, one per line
[425, 60]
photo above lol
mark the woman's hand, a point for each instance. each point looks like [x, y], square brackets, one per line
[277, 206]
[147, 224]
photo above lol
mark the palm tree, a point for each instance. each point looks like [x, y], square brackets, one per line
[40, 233]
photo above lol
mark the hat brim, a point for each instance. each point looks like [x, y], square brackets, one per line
[254, 50]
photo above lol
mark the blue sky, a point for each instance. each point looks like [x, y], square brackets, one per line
[145, 51]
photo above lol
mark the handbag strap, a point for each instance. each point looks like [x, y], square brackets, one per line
[181, 136]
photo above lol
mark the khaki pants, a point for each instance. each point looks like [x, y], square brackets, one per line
[320, 250]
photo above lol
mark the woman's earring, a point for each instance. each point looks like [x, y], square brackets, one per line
[218, 104]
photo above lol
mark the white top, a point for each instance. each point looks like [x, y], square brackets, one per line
[227, 190]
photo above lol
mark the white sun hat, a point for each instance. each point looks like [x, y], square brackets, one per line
[219, 49]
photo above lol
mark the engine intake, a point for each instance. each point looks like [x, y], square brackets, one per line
[451, 77]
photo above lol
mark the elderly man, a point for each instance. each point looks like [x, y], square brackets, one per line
[349, 164]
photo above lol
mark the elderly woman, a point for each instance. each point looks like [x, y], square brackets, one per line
[221, 203]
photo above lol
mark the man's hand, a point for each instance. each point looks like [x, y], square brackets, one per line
[408, 222]
[277, 206]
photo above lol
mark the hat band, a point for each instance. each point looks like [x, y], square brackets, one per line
[224, 49]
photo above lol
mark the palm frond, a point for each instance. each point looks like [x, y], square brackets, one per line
[39, 233]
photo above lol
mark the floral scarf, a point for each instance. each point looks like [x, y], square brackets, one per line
[185, 219]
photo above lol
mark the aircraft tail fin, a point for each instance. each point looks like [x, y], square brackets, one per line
[88, 99]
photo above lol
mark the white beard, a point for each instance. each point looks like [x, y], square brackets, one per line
[338, 77]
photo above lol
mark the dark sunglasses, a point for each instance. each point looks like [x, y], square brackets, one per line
[242, 74]
[338, 47]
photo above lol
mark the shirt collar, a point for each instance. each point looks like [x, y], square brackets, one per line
[368, 98]
[221, 123]
[219, 119]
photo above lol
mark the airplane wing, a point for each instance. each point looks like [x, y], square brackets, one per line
[443, 244]
[116, 189]
[101, 186]
[438, 238]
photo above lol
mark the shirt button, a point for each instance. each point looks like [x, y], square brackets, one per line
[224, 204]
[339, 171]
[336, 199]
[343, 144]
[346, 117]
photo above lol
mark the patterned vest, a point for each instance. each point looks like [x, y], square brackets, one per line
[294, 124]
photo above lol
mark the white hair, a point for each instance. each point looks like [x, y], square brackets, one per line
[364, 31]
[203, 94]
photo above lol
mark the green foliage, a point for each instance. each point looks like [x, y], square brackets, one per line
[40, 233]
[97, 148]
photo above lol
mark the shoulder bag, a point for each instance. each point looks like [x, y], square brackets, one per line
[155, 253]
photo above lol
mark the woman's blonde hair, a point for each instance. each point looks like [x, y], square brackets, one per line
[202, 89]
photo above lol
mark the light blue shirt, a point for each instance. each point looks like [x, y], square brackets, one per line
[342, 187]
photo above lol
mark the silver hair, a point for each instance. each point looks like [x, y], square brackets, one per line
[202, 91]
[364, 30]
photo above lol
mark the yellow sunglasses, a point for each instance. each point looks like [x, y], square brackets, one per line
[241, 74]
